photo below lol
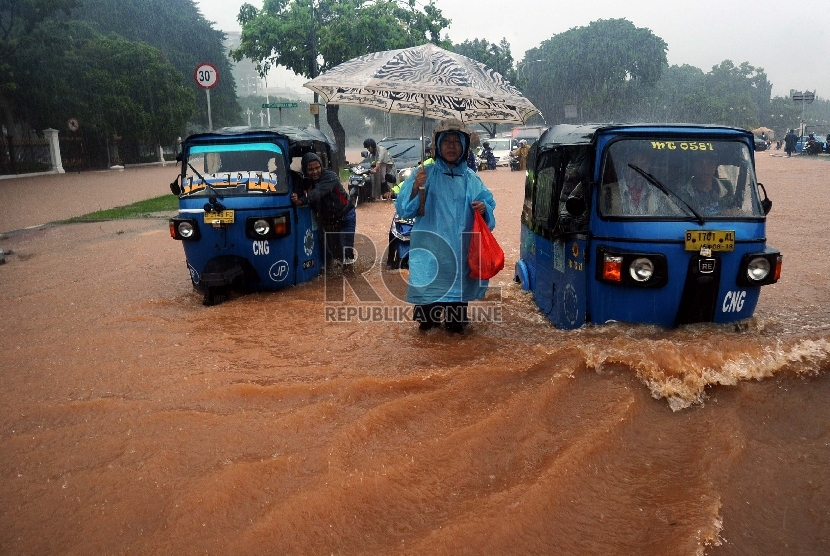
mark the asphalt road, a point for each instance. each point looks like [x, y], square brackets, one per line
[32, 201]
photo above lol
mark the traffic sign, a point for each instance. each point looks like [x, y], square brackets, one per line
[206, 75]
[280, 105]
[806, 96]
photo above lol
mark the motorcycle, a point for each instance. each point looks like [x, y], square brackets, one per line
[360, 184]
[514, 163]
[812, 147]
[398, 249]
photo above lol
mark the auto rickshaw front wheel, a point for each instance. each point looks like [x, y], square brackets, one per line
[214, 295]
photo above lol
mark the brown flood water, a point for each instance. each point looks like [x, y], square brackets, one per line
[136, 420]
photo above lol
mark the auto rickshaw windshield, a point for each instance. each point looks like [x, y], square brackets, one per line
[236, 169]
[672, 179]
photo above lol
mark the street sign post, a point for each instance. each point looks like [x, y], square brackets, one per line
[279, 105]
[207, 77]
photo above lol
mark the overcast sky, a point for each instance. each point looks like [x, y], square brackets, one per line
[770, 34]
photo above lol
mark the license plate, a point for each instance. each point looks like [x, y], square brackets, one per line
[222, 217]
[716, 240]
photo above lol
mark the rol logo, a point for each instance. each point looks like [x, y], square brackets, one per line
[278, 271]
[733, 302]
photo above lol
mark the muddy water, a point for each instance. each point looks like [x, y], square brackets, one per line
[135, 420]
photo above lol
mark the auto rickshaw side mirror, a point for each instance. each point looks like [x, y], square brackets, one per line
[575, 206]
[391, 178]
[364, 154]
[175, 188]
[766, 204]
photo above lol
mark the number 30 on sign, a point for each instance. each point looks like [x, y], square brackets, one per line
[206, 75]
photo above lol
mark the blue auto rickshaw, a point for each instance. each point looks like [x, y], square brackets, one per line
[657, 224]
[236, 221]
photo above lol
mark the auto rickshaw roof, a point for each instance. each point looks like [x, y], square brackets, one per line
[293, 134]
[584, 134]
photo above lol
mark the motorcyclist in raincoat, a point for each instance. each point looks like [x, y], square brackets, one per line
[439, 282]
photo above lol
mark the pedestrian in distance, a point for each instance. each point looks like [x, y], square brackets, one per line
[382, 164]
[789, 142]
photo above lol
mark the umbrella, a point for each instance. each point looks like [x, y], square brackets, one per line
[428, 81]
[425, 80]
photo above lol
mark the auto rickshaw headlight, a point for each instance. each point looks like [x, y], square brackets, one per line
[268, 227]
[641, 269]
[261, 226]
[758, 269]
[638, 269]
[184, 229]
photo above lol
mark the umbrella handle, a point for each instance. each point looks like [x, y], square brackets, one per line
[422, 199]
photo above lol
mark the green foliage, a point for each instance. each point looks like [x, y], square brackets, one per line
[600, 69]
[165, 203]
[494, 56]
[118, 67]
[281, 33]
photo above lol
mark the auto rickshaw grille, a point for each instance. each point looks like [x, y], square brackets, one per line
[700, 291]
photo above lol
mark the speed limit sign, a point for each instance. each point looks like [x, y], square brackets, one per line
[206, 75]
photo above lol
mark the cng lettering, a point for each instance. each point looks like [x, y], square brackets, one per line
[733, 302]
[261, 247]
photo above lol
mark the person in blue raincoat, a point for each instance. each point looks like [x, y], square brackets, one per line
[441, 197]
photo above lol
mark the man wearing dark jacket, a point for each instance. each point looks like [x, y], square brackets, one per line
[789, 142]
[331, 202]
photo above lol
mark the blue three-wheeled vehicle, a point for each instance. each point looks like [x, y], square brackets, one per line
[658, 224]
[236, 221]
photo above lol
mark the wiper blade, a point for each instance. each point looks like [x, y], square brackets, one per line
[659, 185]
[204, 181]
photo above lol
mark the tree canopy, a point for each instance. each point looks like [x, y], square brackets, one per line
[599, 69]
[281, 32]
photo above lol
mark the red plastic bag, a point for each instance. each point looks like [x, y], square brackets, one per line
[486, 257]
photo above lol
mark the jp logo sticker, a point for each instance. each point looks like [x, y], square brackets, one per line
[278, 271]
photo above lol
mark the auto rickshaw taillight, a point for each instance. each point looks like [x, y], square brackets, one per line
[612, 268]
[646, 270]
[778, 263]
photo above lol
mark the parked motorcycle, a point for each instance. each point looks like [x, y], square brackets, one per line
[398, 249]
[360, 184]
[813, 147]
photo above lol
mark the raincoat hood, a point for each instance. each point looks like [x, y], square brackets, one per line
[308, 157]
[448, 126]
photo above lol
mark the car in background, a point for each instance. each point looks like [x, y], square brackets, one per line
[501, 149]
[799, 145]
[405, 151]
[760, 144]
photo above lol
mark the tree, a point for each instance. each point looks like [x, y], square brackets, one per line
[494, 56]
[280, 34]
[22, 24]
[177, 28]
[601, 69]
